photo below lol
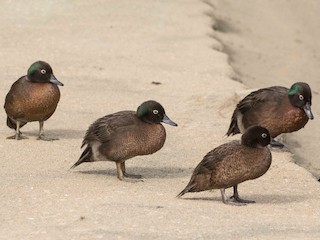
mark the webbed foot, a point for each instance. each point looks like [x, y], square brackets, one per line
[230, 201]
[127, 175]
[17, 136]
[44, 138]
[122, 174]
[233, 202]
[240, 200]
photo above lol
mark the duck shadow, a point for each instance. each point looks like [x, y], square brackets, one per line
[69, 133]
[58, 133]
[147, 173]
[259, 199]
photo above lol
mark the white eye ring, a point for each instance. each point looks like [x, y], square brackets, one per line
[43, 71]
[264, 135]
[301, 97]
[155, 111]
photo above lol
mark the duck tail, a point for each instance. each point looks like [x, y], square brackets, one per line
[187, 189]
[85, 157]
[12, 124]
[233, 128]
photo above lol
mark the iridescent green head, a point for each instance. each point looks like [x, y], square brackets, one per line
[41, 72]
[300, 96]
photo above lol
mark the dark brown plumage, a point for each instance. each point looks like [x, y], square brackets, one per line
[233, 163]
[279, 109]
[123, 135]
[33, 97]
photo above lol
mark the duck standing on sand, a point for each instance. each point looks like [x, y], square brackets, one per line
[123, 135]
[33, 97]
[279, 109]
[233, 163]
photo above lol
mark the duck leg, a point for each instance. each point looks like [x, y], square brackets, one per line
[226, 200]
[119, 170]
[236, 198]
[127, 175]
[18, 135]
[41, 133]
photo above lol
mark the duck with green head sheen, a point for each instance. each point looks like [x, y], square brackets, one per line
[33, 97]
[279, 109]
[123, 135]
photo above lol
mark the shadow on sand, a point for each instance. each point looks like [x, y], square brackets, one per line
[260, 199]
[146, 172]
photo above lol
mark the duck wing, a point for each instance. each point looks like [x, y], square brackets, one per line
[104, 128]
[255, 103]
[260, 97]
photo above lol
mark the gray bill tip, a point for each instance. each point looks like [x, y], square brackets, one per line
[54, 80]
[307, 110]
[168, 121]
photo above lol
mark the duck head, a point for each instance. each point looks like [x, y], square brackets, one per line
[41, 72]
[152, 112]
[300, 96]
[256, 136]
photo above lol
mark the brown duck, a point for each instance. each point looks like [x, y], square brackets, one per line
[33, 97]
[123, 135]
[279, 109]
[233, 163]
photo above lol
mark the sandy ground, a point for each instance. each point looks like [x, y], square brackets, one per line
[276, 43]
[107, 53]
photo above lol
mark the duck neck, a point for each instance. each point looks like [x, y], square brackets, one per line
[249, 142]
[292, 100]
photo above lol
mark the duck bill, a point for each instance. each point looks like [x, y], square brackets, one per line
[307, 110]
[168, 121]
[55, 81]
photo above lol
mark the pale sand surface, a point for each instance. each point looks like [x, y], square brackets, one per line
[276, 42]
[107, 53]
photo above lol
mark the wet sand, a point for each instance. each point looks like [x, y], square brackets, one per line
[108, 53]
